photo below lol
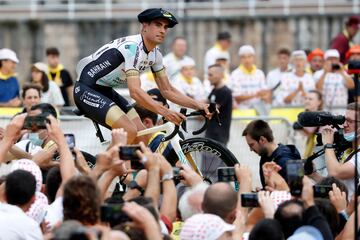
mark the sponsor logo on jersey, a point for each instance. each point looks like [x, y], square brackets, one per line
[92, 99]
[98, 67]
[77, 89]
[136, 57]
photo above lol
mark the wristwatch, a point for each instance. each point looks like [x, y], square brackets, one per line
[167, 176]
[134, 185]
[328, 145]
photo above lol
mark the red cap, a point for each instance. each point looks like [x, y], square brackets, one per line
[315, 52]
[353, 21]
[352, 50]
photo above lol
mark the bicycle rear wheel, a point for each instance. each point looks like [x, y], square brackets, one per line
[208, 155]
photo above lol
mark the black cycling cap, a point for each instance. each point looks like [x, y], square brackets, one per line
[157, 96]
[154, 13]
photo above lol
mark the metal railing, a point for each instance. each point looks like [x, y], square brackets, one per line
[121, 9]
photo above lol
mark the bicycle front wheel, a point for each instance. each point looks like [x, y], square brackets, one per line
[208, 155]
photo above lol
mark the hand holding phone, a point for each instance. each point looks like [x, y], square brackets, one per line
[70, 139]
[322, 191]
[128, 152]
[295, 175]
[249, 200]
[35, 123]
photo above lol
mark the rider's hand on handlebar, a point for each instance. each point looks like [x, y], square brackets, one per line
[174, 117]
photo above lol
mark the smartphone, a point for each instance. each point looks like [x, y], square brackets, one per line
[249, 200]
[70, 139]
[35, 123]
[295, 175]
[322, 191]
[226, 174]
[113, 213]
[129, 153]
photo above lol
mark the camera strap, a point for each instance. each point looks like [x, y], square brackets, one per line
[351, 155]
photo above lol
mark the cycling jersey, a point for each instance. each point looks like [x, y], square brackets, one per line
[109, 64]
[108, 68]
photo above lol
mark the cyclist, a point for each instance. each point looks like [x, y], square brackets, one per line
[122, 60]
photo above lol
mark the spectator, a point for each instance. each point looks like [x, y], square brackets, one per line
[344, 40]
[221, 46]
[221, 95]
[274, 76]
[260, 139]
[333, 82]
[172, 61]
[316, 61]
[82, 200]
[31, 94]
[50, 91]
[294, 85]
[20, 189]
[9, 85]
[206, 226]
[191, 201]
[343, 168]
[354, 55]
[247, 82]
[186, 81]
[267, 229]
[221, 199]
[59, 75]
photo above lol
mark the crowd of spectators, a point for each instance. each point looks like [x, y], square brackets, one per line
[50, 190]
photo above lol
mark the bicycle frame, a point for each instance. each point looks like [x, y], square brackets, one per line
[169, 128]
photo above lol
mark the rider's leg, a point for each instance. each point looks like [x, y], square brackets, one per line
[134, 117]
[116, 118]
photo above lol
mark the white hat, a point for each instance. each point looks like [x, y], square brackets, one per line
[187, 62]
[246, 49]
[222, 55]
[9, 54]
[299, 54]
[204, 226]
[42, 67]
[32, 167]
[332, 53]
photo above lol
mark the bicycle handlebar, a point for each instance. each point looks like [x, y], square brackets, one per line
[212, 109]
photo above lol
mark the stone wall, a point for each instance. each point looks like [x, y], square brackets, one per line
[77, 39]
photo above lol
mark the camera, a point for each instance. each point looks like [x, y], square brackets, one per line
[35, 123]
[249, 200]
[129, 153]
[176, 173]
[226, 174]
[113, 213]
[321, 118]
[335, 67]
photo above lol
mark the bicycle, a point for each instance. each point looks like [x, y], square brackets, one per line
[202, 154]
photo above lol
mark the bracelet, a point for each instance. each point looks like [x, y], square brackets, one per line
[344, 214]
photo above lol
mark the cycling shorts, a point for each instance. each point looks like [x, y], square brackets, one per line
[98, 102]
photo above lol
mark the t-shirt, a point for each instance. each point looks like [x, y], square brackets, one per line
[109, 64]
[289, 83]
[350, 182]
[192, 87]
[172, 64]
[244, 82]
[212, 54]
[274, 76]
[16, 225]
[66, 81]
[280, 156]
[9, 87]
[223, 99]
[335, 93]
[55, 212]
[53, 95]
[148, 81]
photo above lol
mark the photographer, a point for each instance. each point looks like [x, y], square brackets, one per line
[333, 81]
[345, 168]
